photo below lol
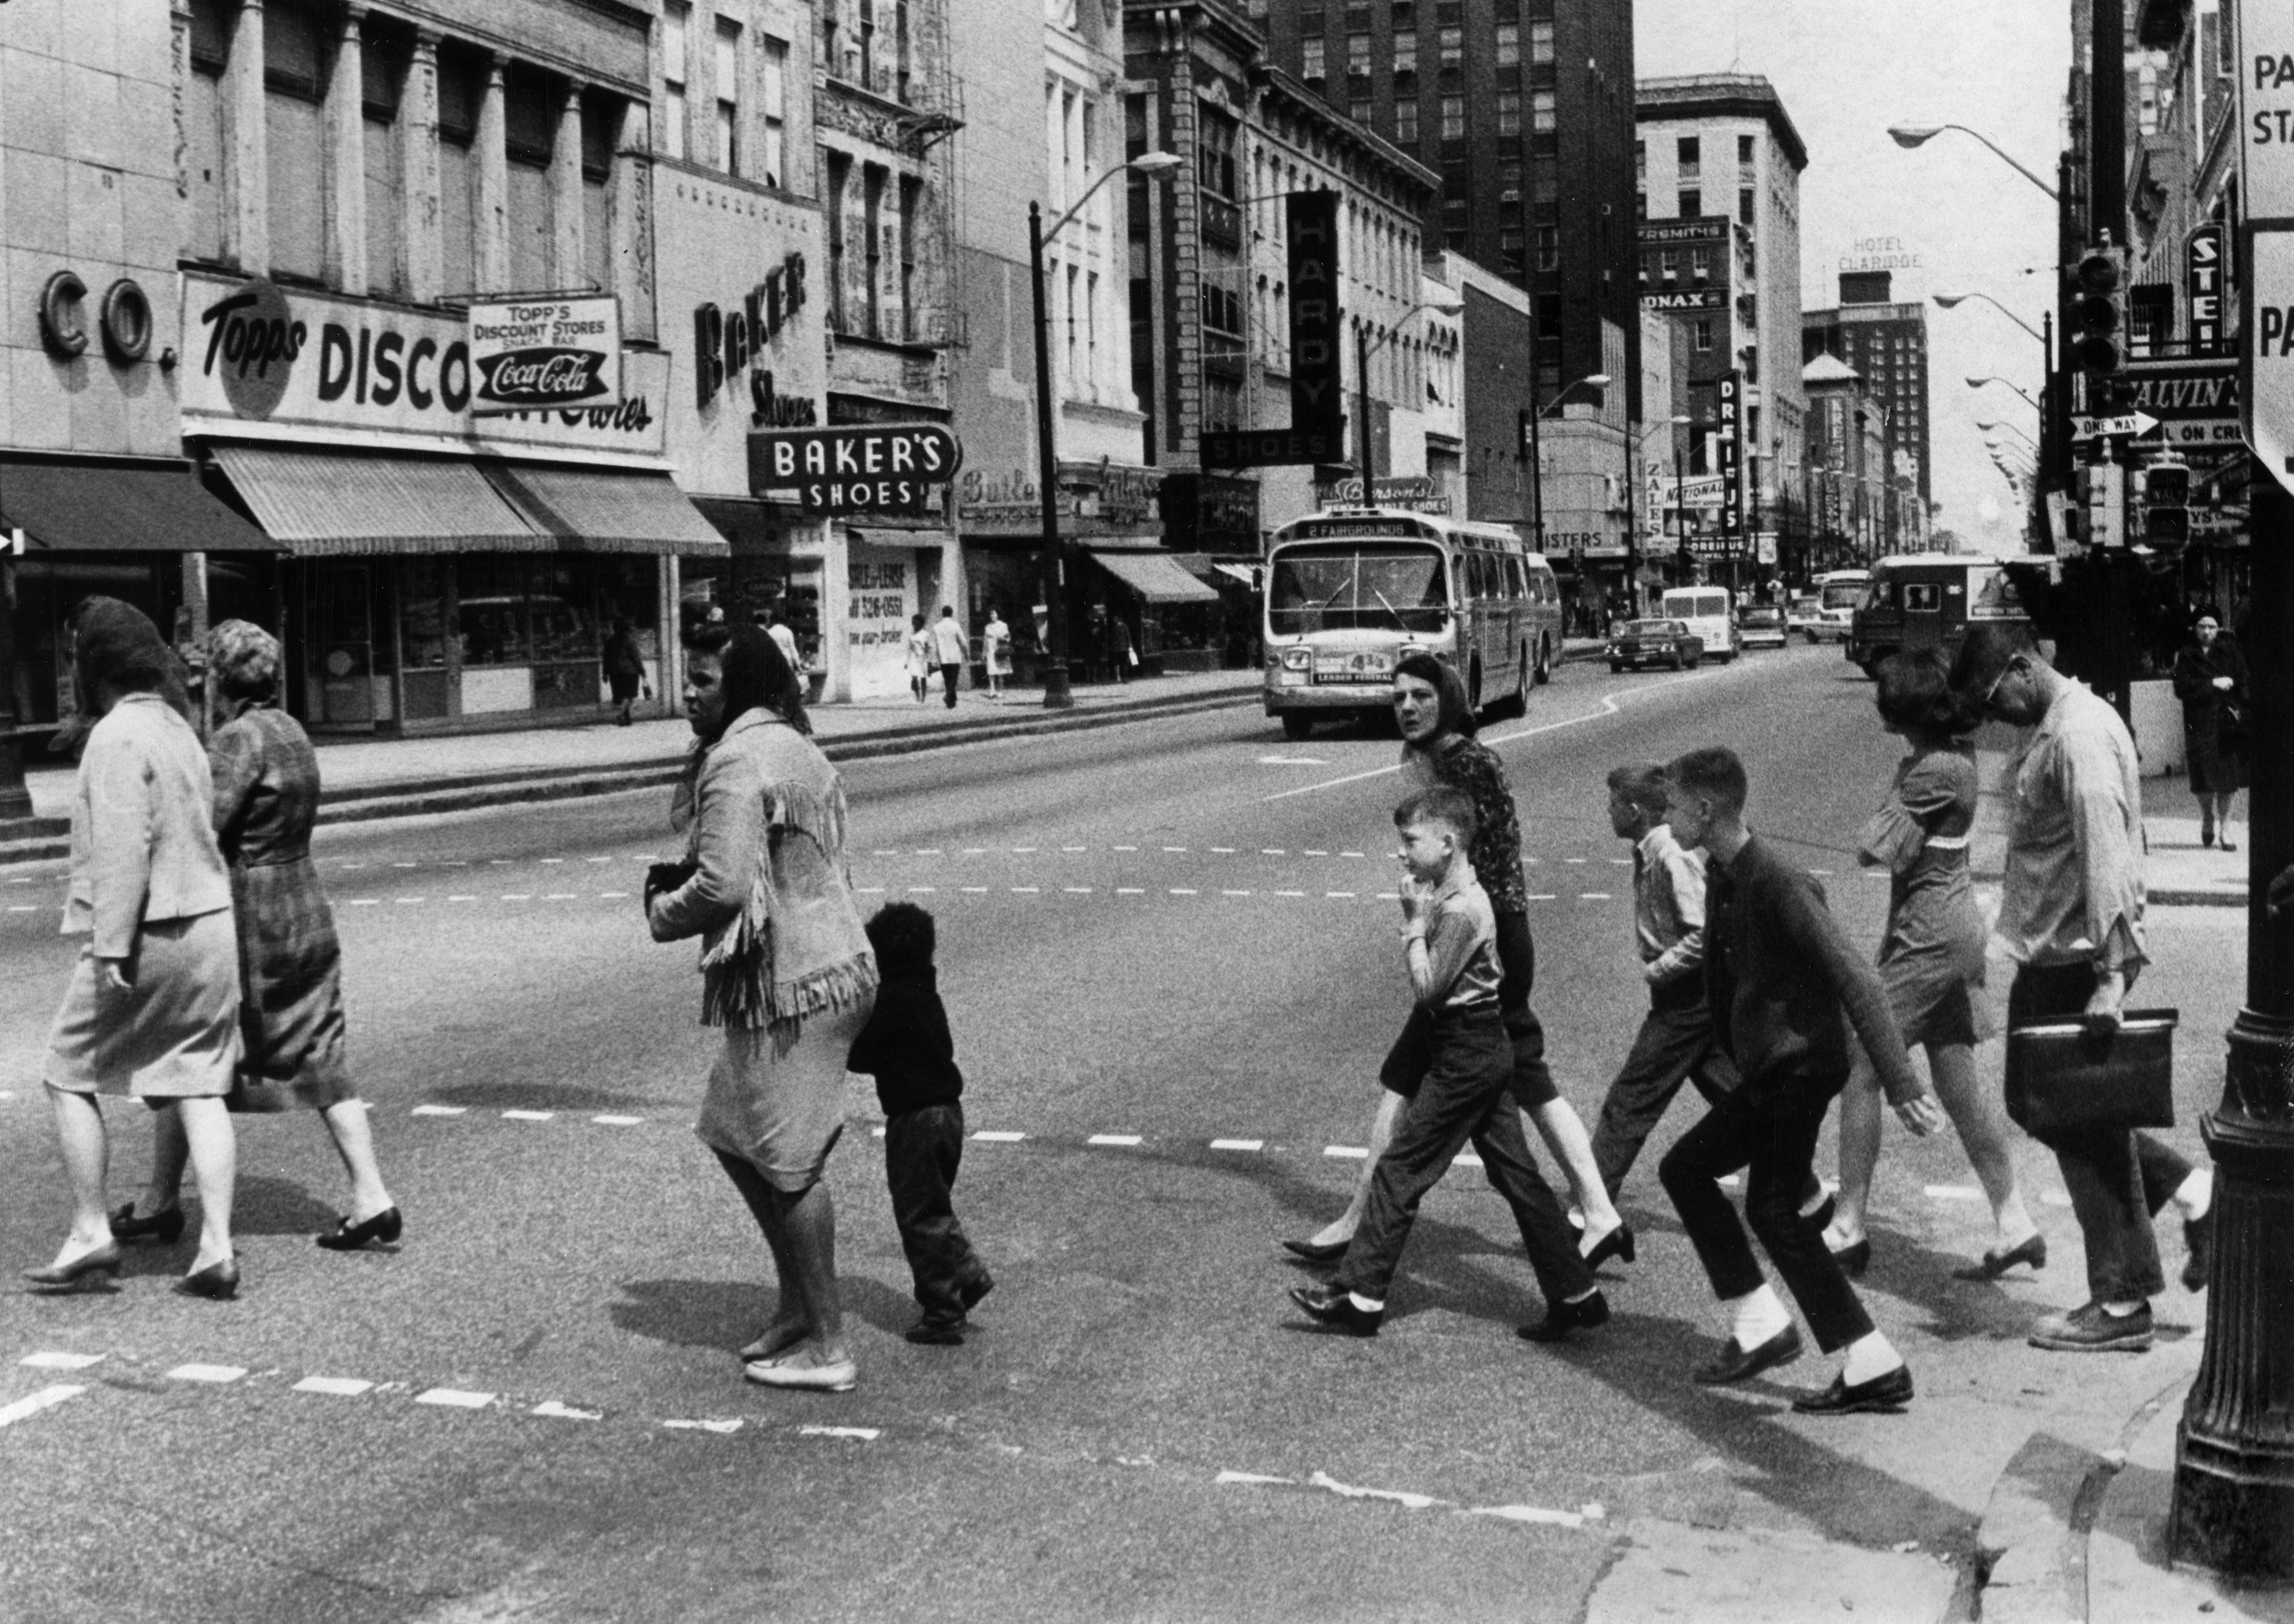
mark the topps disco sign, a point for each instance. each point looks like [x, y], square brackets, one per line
[876, 467]
[545, 354]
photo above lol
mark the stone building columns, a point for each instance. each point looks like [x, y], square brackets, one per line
[490, 158]
[246, 168]
[628, 216]
[422, 236]
[346, 159]
[567, 268]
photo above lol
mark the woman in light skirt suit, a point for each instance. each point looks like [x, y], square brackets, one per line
[152, 1010]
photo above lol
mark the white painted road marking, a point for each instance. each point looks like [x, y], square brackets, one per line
[217, 1374]
[551, 1407]
[32, 1404]
[1353, 1153]
[999, 1137]
[617, 1122]
[453, 1398]
[528, 1116]
[706, 1427]
[440, 1110]
[333, 1386]
[865, 1434]
[1238, 1144]
[1124, 1140]
[60, 1362]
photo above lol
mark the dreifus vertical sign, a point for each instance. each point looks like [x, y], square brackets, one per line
[1728, 443]
[1317, 395]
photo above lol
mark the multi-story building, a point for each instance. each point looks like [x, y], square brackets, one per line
[1043, 129]
[93, 353]
[1859, 508]
[1209, 296]
[1886, 341]
[1524, 109]
[1722, 145]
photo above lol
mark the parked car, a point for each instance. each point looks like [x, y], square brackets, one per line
[1803, 617]
[1760, 628]
[1639, 643]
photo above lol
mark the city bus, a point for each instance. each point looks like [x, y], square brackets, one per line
[1927, 600]
[1350, 590]
[1838, 592]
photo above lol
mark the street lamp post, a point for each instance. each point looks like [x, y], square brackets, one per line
[1976, 380]
[1909, 135]
[1632, 518]
[1363, 350]
[1536, 443]
[1057, 693]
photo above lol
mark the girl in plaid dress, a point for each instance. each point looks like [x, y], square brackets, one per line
[267, 798]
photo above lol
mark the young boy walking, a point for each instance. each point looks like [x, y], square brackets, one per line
[1779, 974]
[906, 1046]
[1457, 1041]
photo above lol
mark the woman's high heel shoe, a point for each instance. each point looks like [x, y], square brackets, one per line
[217, 1282]
[2031, 1249]
[1853, 1259]
[69, 1276]
[385, 1226]
[166, 1227]
[1617, 1243]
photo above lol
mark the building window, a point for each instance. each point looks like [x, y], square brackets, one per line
[868, 44]
[1508, 113]
[1405, 123]
[1700, 264]
[776, 99]
[294, 83]
[1549, 248]
[461, 81]
[1362, 110]
[1358, 56]
[872, 225]
[728, 90]
[1405, 54]
[1541, 111]
[832, 60]
[1744, 158]
[1509, 181]
[382, 63]
[914, 327]
[1509, 245]
[1215, 153]
[1454, 46]
[1454, 218]
[1541, 42]
[675, 17]
[1405, 16]
[1689, 155]
[530, 104]
[1640, 163]
[903, 52]
[1453, 118]
[1311, 67]
[1508, 44]
[1640, 207]
[1692, 204]
[838, 167]
[1746, 207]
[1700, 333]
[1668, 263]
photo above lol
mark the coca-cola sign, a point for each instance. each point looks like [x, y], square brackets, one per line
[537, 354]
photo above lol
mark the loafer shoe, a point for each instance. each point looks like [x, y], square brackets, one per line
[2088, 1329]
[1737, 1364]
[1335, 1308]
[931, 1331]
[1853, 1258]
[1563, 1318]
[1890, 1391]
[217, 1282]
[1317, 1251]
[2031, 1250]
[165, 1227]
[2198, 1236]
[840, 1376]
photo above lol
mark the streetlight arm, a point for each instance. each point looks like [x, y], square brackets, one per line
[1950, 299]
[1105, 176]
[2008, 158]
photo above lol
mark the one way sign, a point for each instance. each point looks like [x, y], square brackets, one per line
[2105, 429]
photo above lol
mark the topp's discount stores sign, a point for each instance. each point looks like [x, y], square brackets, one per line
[536, 354]
[877, 467]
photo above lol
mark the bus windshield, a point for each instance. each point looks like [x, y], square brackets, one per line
[1843, 594]
[1373, 586]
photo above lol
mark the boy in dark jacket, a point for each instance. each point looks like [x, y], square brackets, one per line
[907, 1048]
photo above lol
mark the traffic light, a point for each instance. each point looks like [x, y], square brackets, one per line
[2167, 506]
[2098, 336]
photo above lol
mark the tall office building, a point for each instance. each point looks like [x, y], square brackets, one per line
[1887, 343]
[1525, 107]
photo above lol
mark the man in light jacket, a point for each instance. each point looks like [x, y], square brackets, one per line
[950, 649]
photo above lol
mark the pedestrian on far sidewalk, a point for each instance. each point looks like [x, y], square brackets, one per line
[1932, 963]
[920, 661]
[1785, 987]
[152, 1008]
[951, 651]
[996, 643]
[625, 667]
[907, 1047]
[785, 972]
[1439, 749]
[784, 635]
[291, 1028]
[2071, 915]
[2210, 681]
[1462, 1073]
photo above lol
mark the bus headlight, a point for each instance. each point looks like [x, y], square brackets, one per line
[1299, 658]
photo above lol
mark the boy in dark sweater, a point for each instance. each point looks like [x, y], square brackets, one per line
[907, 1048]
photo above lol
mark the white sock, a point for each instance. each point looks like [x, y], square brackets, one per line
[2122, 1310]
[1755, 1317]
[1369, 1305]
[1869, 1357]
[1589, 1292]
[2196, 1194]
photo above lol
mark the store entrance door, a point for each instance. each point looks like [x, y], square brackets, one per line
[338, 650]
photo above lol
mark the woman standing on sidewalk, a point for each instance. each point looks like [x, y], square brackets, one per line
[919, 659]
[2210, 681]
[152, 1010]
[1437, 719]
[1931, 965]
[996, 644]
[786, 970]
[291, 1029]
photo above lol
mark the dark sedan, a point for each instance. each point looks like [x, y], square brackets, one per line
[1639, 643]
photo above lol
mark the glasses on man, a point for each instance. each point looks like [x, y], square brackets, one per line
[1991, 694]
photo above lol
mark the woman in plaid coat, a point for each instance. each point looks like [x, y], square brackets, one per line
[267, 798]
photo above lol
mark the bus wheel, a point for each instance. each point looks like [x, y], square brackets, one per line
[1297, 724]
[1544, 672]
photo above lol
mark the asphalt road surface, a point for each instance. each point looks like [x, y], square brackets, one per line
[1171, 972]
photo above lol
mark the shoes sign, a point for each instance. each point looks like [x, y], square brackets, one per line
[2264, 54]
[874, 467]
[541, 355]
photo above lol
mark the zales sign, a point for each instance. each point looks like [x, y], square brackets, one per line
[263, 362]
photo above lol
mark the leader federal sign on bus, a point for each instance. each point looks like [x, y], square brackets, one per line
[876, 467]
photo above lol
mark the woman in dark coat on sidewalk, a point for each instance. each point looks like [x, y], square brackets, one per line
[2210, 681]
[266, 798]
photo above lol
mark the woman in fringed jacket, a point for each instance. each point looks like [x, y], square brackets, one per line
[786, 970]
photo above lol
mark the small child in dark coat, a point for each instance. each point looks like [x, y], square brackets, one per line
[907, 1048]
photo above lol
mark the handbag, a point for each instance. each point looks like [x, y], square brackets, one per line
[2063, 1077]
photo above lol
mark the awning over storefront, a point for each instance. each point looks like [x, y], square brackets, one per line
[1154, 578]
[87, 505]
[750, 523]
[598, 510]
[1240, 573]
[321, 503]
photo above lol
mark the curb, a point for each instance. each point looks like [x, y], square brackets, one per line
[470, 791]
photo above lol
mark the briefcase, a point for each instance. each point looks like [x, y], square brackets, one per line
[2063, 1077]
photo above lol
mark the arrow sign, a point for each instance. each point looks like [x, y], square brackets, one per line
[2105, 429]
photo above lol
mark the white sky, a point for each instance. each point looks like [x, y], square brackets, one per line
[1847, 69]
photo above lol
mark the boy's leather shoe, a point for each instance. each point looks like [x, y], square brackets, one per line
[1334, 1306]
[1737, 1364]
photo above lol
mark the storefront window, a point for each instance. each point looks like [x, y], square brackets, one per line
[628, 589]
[562, 610]
[493, 615]
[422, 613]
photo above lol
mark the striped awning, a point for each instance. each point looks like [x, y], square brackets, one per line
[322, 503]
[1154, 577]
[65, 504]
[598, 510]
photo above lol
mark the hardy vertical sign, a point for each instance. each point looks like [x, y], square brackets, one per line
[546, 355]
[1728, 448]
[1317, 397]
